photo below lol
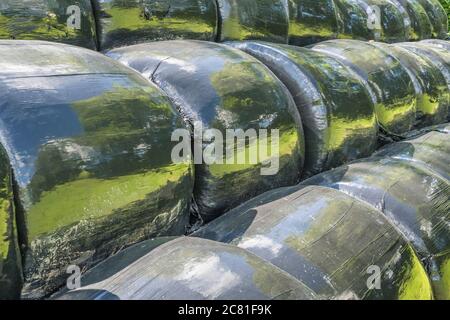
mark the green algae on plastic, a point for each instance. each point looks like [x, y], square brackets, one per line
[253, 20]
[129, 22]
[311, 21]
[188, 269]
[433, 96]
[10, 264]
[225, 89]
[91, 145]
[412, 197]
[336, 132]
[50, 20]
[326, 239]
[389, 82]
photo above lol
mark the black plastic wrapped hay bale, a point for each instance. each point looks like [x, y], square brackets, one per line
[388, 80]
[379, 20]
[253, 20]
[187, 269]
[90, 144]
[433, 95]
[311, 21]
[336, 132]
[438, 18]
[392, 26]
[127, 22]
[315, 232]
[223, 89]
[412, 197]
[416, 16]
[10, 264]
[354, 16]
[430, 150]
[438, 55]
[66, 21]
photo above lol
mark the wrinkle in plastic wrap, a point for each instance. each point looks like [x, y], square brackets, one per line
[223, 88]
[129, 22]
[66, 21]
[266, 20]
[433, 95]
[391, 86]
[413, 198]
[10, 264]
[188, 269]
[311, 21]
[417, 17]
[326, 239]
[336, 131]
[90, 143]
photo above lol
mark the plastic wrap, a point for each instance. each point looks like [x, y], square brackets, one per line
[223, 88]
[187, 269]
[442, 44]
[10, 264]
[67, 21]
[127, 22]
[392, 27]
[355, 18]
[389, 82]
[90, 144]
[413, 198]
[417, 17]
[336, 132]
[438, 55]
[253, 20]
[430, 150]
[433, 95]
[438, 18]
[327, 240]
[311, 21]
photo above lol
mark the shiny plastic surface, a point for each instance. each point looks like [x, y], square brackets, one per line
[129, 22]
[311, 21]
[326, 239]
[336, 131]
[67, 21]
[224, 89]
[389, 82]
[413, 198]
[266, 20]
[433, 95]
[90, 143]
[416, 15]
[430, 150]
[438, 18]
[10, 264]
[187, 269]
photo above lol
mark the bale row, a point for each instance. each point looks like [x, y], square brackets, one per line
[92, 143]
[108, 24]
[374, 229]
